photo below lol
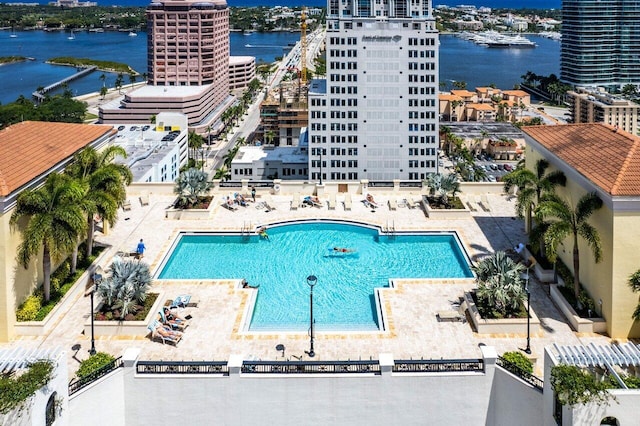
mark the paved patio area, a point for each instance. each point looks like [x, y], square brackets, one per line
[214, 333]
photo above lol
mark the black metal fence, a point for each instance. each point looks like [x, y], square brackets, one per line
[182, 367]
[439, 366]
[310, 367]
[512, 368]
[76, 385]
[381, 184]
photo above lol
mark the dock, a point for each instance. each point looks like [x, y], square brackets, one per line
[39, 95]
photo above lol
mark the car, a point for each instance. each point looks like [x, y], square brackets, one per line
[493, 166]
[120, 128]
[500, 166]
[133, 128]
[145, 128]
[508, 167]
[492, 178]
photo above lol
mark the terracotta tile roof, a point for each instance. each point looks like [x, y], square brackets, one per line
[446, 97]
[519, 93]
[463, 93]
[481, 107]
[482, 89]
[30, 148]
[608, 157]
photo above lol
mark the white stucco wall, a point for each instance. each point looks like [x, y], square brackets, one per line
[102, 402]
[513, 401]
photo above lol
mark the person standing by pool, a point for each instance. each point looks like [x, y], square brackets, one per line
[253, 193]
[140, 249]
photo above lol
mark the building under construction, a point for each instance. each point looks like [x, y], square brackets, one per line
[284, 114]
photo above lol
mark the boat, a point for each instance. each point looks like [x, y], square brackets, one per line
[132, 34]
[13, 34]
[72, 36]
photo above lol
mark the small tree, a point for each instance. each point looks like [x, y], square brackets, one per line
[499, 283]
[441, 186]
[126, 287]
[191, 185]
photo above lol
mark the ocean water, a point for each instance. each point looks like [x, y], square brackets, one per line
[460, 60]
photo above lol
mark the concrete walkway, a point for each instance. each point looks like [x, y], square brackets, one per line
[214, 333]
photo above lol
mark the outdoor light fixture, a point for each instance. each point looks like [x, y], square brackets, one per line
[532, 262]
[311, 281]
[94, 279]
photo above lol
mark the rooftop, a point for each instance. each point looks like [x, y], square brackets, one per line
[284, 154]
[608, 157]
[31, 148]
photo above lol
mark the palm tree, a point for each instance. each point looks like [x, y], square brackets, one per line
[499, 282]
[119, 81]
[103, 77]
[269, 136]
[105, 182]
[126, 287]
[103, 92]
[132, 78]
[570, 222]
[441, 186]
[195, 143]
[531, 186]
[222, 173]
[54, 220]
[191, 185]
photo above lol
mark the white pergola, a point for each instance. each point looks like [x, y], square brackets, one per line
[622, 355]
[18, 358]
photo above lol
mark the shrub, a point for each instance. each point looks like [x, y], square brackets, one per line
[574, 385]
[16, 390]
[93, 364]
[29, 309]
[519, 360]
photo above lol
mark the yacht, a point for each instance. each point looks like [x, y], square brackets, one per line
[72, 36]
[133, 34]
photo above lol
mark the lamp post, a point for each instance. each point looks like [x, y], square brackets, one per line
[94, 280]
[532, 262]
[320, 150]
[311, 281]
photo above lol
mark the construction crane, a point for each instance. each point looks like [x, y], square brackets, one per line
[303, 46]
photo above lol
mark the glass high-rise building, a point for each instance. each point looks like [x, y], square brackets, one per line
[600, 42]
[376, 115]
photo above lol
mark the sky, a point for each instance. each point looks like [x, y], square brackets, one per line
[514, 4]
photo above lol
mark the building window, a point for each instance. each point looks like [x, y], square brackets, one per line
[50, 410]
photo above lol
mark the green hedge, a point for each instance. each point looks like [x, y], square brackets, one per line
[61, 281]
[93, 364]
[519, 360]
[15, 390]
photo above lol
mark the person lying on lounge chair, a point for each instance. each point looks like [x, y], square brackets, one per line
[312, 200]
[169, 320]
[371, 201]
[166, 331]
[173, 318]
[240, 199]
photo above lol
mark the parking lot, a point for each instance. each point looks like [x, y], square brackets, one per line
[494, 169]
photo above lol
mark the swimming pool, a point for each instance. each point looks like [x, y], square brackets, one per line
[344, 295]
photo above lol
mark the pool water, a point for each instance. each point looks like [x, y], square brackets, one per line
[343, 298]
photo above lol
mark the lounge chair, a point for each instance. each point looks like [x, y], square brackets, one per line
[126, 206]
[393, 204]
[230, 205]
[295, 201]
[484, 203]
[309, 200]
[174, 337]
[144, 199]
[331, 202]
[183, 301]
[178, 324]
[347, 201]
[268, 203]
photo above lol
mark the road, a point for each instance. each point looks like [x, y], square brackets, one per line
[251, 119]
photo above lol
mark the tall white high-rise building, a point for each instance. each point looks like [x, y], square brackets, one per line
[376, 115]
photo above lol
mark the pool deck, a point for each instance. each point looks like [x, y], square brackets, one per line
[414, 331]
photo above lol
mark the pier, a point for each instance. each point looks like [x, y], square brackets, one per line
[38, 95]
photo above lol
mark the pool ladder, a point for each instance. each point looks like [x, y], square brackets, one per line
[390, 229]
[247, 229]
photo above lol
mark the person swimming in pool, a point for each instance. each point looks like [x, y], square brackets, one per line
[343, 250]
[262, 231]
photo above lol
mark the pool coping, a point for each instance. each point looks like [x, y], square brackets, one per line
[382, 308]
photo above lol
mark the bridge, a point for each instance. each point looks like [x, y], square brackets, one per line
[39, 95]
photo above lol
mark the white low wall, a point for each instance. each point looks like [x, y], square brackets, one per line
[499, 326]
[124, 328]
[581, 325]
[102, 402]
[444, 214]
